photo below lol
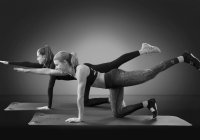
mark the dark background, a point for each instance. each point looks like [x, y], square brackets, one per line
[100, 31]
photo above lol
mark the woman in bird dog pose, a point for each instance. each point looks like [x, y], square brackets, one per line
[115, 80]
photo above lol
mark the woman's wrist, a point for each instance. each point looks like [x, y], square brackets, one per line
[80, 117]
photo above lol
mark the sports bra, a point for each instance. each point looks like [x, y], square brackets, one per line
[92, 76]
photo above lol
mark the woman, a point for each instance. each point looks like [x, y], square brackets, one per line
[114, 80]
[45, 60]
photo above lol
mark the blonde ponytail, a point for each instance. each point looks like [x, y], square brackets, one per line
[74, 59]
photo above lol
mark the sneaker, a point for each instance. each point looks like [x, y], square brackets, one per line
[192, 60]
[152, 106]
[146, 49]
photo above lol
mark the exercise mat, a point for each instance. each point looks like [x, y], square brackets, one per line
[59, 119]
[24, 106]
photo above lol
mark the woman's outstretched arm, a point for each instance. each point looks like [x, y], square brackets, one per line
[23, 64]
[42, 71]
[81, 74]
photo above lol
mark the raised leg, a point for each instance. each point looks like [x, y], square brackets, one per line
[121, 78]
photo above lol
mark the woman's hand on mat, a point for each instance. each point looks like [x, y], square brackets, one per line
[20, 69]
[4, 62]
[43, 108]
[73, 120]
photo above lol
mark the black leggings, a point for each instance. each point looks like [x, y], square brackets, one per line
[117, 79]
[106, 67]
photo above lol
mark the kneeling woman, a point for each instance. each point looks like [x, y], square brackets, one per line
[115, 80]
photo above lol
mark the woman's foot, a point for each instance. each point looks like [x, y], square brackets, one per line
[147, 49]
[152, 106]
[191, 59]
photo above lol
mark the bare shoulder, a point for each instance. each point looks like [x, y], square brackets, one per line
[83, 70]
[82, 66]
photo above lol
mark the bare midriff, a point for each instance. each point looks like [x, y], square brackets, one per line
[99, 81]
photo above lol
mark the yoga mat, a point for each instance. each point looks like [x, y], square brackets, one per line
[59, 119]
[24, 106]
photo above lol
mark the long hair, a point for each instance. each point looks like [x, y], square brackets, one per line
[71, 58]
[46, 50]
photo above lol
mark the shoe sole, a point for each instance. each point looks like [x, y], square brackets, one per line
[195, 58]
[153, 110]
[156, 49]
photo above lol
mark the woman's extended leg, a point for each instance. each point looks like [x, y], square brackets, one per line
[106, 67]
[117, 95]
[120, 78]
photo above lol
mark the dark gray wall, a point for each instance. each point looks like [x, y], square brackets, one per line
[99, 32]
